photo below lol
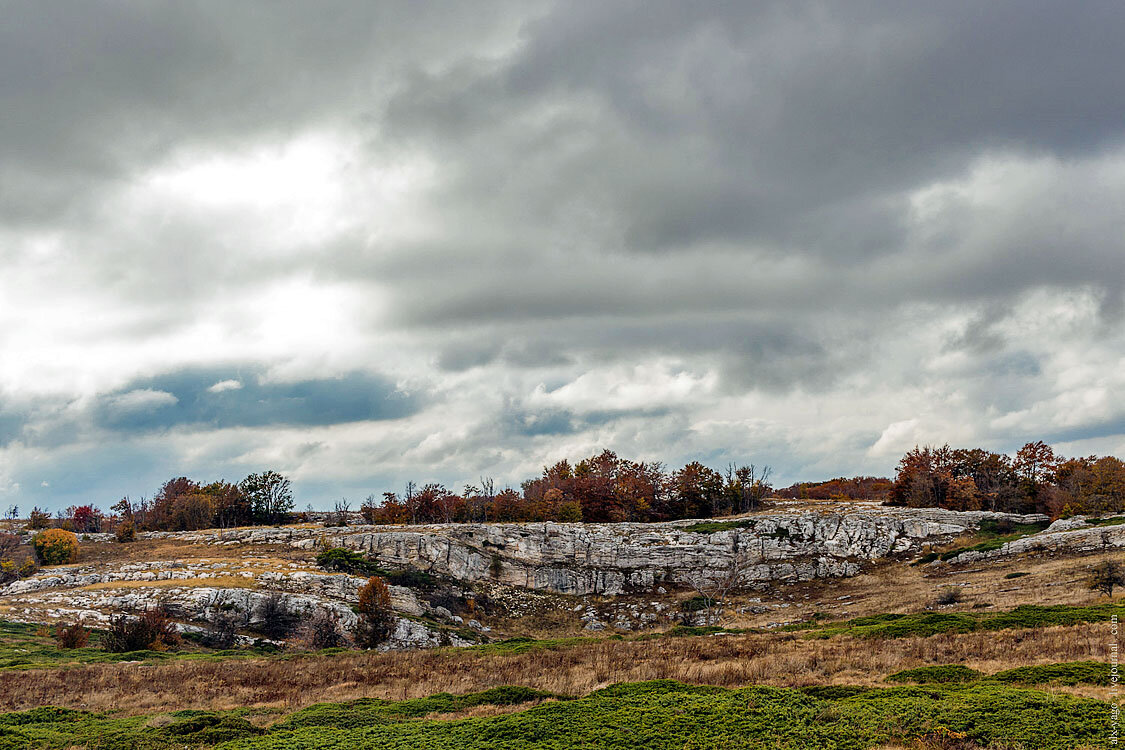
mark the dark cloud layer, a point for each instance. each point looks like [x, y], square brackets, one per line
[806, 232]
[220, 399]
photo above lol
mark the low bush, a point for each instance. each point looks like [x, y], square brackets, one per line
[152, 631]
[1070, 673]
[55, 546]
[72, 636]
[10, 570]
[932, 623]
[949, 595]
[346, 561]
[376, 619]
[321, 630]
[1018, 574]
[38, 519]
[695, 604]
[126, 532]
[277, 620]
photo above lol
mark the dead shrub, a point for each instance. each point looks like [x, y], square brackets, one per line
[277, 621]
[72, 636]
[949, 595]
[321, 630]
[154, 630]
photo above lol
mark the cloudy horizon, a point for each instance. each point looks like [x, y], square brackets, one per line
[365, 243]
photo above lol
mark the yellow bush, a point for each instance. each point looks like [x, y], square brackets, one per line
[55, 546]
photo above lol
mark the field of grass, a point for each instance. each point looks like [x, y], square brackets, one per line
[658, 715]
[24, 646]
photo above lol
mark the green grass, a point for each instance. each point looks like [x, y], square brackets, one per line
[659, 715]
[22, 648]
[710, 527]
[1068, 673]
[932, 623]
[1000, 535]
[1111, 521]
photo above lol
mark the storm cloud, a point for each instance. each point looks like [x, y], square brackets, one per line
[363, 243]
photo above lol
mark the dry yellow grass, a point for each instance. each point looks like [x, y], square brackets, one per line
[782, 659]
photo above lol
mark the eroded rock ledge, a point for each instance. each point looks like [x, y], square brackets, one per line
[610, 559]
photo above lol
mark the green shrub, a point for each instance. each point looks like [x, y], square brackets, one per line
[1070, 673]
[209, 728]
[657, 715]
[695, 604]
[338, 558]
[930, 623]
[937, 674]
[55, 546]
[1018, 574]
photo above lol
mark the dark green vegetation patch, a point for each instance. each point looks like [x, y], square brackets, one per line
[710, 527]
[932, 623]
[1000, 533]
[1068, 673]
[941, 673]
[659, 715]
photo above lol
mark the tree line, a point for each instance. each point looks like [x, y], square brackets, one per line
[183, 504]
[1034, 480]
[601, 488]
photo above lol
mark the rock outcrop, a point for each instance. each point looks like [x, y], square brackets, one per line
[1069, 536]
[611, 559]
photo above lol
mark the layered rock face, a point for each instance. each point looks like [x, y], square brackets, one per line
[201, 590]
[611, 559]
[1069, 536]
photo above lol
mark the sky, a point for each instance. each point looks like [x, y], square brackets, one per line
[365, 243]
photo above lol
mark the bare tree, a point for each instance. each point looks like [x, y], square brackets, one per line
[340, 515]
[1106, 576]
[748, 486]
[715, 587]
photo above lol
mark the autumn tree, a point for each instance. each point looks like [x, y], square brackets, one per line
[376, 620]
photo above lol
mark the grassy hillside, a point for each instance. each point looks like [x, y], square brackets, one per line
[657, 715]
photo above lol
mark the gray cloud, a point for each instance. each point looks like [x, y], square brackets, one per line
[232, 398]
[803, 232]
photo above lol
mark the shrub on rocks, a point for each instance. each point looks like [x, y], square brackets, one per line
[55, 546]
[376, 618]
[321, 630]
[38, 519]
[278, 622]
